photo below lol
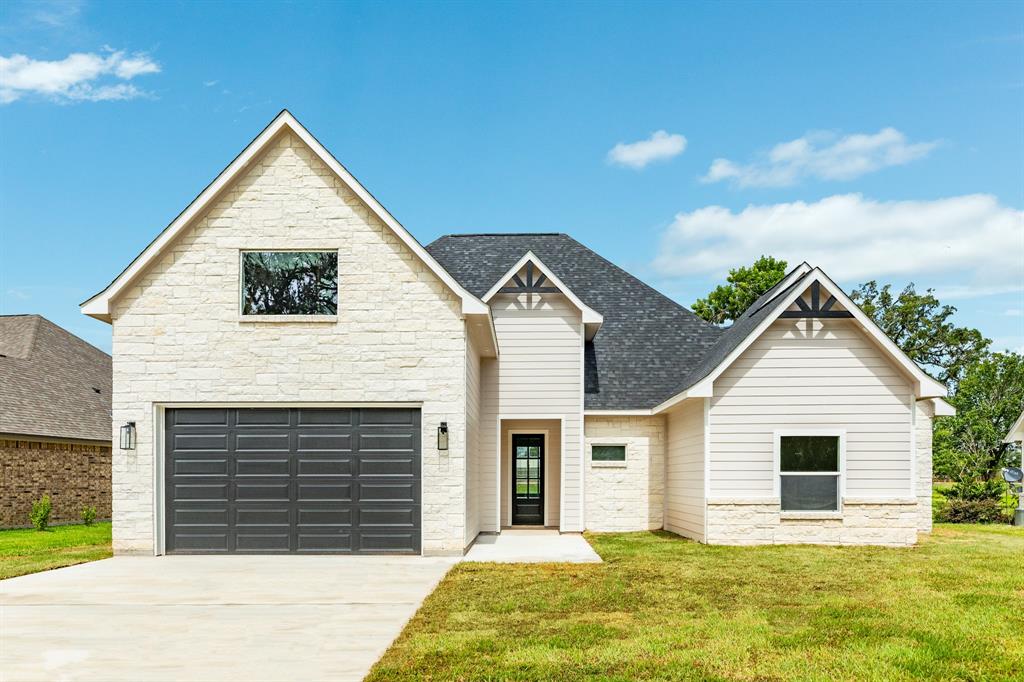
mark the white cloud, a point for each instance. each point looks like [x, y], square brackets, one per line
[77, 77]
[970, 239]
[1012, 312]
[660, 146]
[821, 155]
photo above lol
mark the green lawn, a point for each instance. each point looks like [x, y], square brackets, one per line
[28, 550]
[662, 607]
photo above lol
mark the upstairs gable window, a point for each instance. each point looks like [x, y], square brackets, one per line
[289, 282]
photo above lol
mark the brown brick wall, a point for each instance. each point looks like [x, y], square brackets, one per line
[74, 475]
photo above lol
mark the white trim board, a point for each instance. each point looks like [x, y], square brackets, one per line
[98, 306]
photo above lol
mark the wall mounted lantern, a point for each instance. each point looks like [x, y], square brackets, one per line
[128, 436]
[442, 436]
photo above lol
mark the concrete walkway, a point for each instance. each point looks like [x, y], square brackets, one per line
[210, 618]
[532, 546]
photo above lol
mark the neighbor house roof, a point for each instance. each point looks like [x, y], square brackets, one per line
[52, 383]
[647, 341]
[1016, 431]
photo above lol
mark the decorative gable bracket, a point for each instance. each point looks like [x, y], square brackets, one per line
[532, 285]
[816, 308]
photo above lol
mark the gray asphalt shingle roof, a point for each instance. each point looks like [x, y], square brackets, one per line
[52, 383]
[647, 343]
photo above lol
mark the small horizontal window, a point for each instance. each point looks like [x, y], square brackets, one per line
[809, 473]
[290, 283]
[608, 453]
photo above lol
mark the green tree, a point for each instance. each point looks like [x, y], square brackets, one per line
[745, 285]
[969, 448]
[922, 327]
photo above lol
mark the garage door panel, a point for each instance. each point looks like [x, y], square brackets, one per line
[335, 492]
[324, 466]
[199, 417]
[200, 491]
[405, 517]
[262, 466]
[263, 542]
[204, 466]
[396, 542]
[269, 516]
[387, 492]
[324, 442]
[209, 442]
[264, 491]
[263, 417]
[388, 466]
[334, 517]
[293, 480]
[262, 442]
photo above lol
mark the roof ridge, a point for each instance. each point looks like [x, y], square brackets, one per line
[503, 234]
[646, 285]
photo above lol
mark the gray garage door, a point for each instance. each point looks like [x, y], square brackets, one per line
[293, 480]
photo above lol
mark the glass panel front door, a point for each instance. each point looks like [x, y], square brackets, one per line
[527, 479]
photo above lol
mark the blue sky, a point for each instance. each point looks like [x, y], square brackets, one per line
[878, 140]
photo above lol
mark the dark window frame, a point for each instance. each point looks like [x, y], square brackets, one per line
[594, 446]
[839, 435]
[247, 309]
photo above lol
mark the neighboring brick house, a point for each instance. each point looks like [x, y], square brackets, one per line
[304, 376]
[55, 430]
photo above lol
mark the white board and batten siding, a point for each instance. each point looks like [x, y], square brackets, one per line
[684, 470]
[812, 374]
[538, 374]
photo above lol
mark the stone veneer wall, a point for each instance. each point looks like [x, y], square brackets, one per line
[74, 475]
[736, 522]
[629, 496]
[399, 335]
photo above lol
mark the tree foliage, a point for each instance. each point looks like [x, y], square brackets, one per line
[922, 327]
[745, 285]
[969, 448]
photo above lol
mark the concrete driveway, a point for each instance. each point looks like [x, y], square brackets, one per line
[210, 618]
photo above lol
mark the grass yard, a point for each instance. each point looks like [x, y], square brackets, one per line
[28, 550]
[661, 607]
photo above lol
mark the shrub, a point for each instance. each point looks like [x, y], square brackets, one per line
[40, 514]
[88, 515]
[971, 511]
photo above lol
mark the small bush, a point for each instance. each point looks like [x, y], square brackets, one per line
[971, 511]
[88, 515]
[40, 514]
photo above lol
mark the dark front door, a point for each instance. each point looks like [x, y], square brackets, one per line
[293, 480]
[527, 479]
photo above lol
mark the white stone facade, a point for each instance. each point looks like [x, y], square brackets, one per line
[399, 336]
[627, 496]
[738, 522]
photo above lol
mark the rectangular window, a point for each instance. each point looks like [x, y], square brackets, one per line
[809, 473]
[608, 453]
[290, 283]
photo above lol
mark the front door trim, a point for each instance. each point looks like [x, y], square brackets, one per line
[543, 434]
[506, 521]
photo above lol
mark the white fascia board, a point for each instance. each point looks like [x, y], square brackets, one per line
[926, 387]
[590, 316]
[1016, 431]
[99, 305]
[942, 407]
[617, 413]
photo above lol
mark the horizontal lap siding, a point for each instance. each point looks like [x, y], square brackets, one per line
[538, 373]
[684, 488]
[821, 373]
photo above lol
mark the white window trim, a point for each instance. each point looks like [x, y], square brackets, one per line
[242, 317]
[609, 464]
[777, 466]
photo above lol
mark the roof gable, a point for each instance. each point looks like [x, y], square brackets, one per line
[98, 306]
[739, 337]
